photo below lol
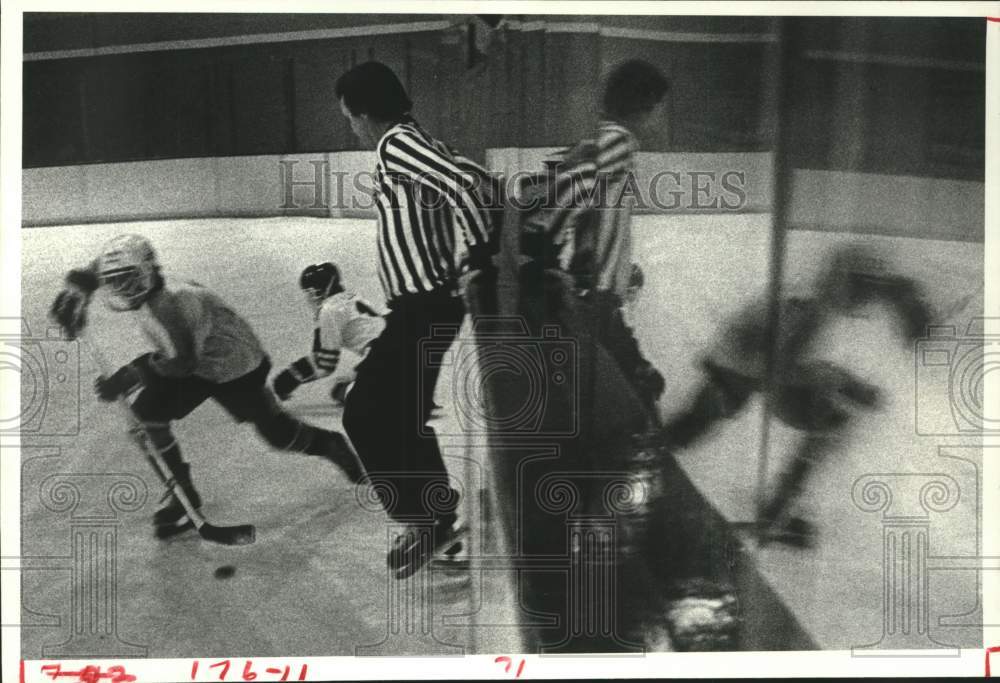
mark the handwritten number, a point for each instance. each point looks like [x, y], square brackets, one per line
[989, 651]
[225, 668]
[507, 661]
[118, 675]
[284, 676]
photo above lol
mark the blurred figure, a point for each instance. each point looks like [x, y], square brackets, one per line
[586, 239]
[579, 276]
[588, 233]
[814, 396]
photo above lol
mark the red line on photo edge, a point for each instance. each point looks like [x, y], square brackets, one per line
[989, 651]
[996, 19]
[21, 675]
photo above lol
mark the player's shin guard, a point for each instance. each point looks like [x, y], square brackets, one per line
[171, 518]
[789, 488]
[284, 432]
[776, 520]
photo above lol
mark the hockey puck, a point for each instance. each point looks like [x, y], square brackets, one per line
[225, 571]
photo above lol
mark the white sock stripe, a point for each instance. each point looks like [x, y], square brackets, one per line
[164, 449]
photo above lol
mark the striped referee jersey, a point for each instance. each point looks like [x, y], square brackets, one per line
[423, 193]
[592, 186]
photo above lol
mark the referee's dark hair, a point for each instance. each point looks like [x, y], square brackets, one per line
[632, 88]
[372, 88]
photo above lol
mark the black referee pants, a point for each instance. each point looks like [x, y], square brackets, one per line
[387, 410]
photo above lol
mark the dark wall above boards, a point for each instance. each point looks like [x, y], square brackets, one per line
[908, 94]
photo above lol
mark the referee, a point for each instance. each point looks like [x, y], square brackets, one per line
[425, 197]
[590, 229]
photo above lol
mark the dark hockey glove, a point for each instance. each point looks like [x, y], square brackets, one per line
[913, 310]
[124, 380]
[69, 310]
[84, 279]
[650, 383]
[285, 383]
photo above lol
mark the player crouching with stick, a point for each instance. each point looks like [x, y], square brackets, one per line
[343, 321]
[204, 350]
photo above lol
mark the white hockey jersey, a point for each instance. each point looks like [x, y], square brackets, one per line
[344, 321]
[196, 333]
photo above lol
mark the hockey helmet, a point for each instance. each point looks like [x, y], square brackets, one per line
[854, 274]
[320, 281]
[129, 271]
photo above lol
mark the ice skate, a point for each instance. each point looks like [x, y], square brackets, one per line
[172, 519]
[794, 531]
[420, 543]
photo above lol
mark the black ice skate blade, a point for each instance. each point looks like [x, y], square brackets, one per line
[787, 538]
[792, 540]
[163, 532]
[243, 534]
[451, 565]
[445, 559]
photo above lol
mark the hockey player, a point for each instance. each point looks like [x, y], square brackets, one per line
[812, 395]
[204, 350]
[343, 321]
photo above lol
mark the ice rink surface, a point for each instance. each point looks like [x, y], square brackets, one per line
[315, 583]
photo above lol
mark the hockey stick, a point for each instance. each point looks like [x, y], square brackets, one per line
[242, 534]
